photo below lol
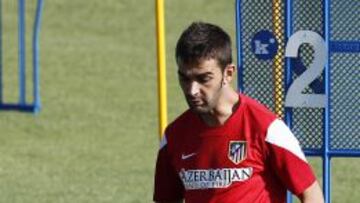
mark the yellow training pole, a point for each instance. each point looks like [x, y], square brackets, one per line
[161, 63]
[278, 69]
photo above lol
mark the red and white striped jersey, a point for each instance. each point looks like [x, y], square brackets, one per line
[253, 157]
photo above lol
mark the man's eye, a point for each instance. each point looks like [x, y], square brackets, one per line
[204, 79]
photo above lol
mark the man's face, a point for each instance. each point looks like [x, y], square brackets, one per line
[202, 84]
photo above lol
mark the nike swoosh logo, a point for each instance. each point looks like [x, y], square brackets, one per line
[186, 156]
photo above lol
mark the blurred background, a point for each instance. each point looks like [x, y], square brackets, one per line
[96, 137]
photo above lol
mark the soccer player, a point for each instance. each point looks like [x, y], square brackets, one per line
[226, 148]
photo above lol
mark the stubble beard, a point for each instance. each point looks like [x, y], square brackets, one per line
[208, 105]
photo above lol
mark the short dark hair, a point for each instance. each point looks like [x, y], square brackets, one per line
[204, 41]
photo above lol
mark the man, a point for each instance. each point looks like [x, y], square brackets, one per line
[226, 148]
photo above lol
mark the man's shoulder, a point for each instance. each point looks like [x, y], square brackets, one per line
[255, 105]
[256, 111]
[183, 120]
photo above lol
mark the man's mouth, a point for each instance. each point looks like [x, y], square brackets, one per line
[195, 102]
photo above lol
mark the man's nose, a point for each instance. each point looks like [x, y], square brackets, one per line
[194, 88]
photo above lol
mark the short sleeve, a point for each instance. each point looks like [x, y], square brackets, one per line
[287, 159]
[168, 186]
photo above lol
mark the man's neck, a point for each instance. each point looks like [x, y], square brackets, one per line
[227, 106]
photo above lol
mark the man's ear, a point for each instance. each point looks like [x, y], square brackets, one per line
[229, 73]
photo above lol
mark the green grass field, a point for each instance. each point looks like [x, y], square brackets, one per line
[96, 139]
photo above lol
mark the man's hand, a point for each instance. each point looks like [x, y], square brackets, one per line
[312, 194]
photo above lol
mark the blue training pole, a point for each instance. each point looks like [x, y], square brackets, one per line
[1, 64]
[22, 75]
[326, 139]
[288, 78]
[36, 58]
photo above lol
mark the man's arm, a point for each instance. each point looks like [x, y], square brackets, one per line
[312, 194]
[168, 187]
[179, 201]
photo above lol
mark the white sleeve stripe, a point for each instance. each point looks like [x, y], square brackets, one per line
[280, 135]
[163, 142]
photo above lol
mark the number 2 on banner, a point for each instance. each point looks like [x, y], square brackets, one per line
[294, 96]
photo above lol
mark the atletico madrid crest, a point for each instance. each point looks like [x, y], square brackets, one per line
[237, 151]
